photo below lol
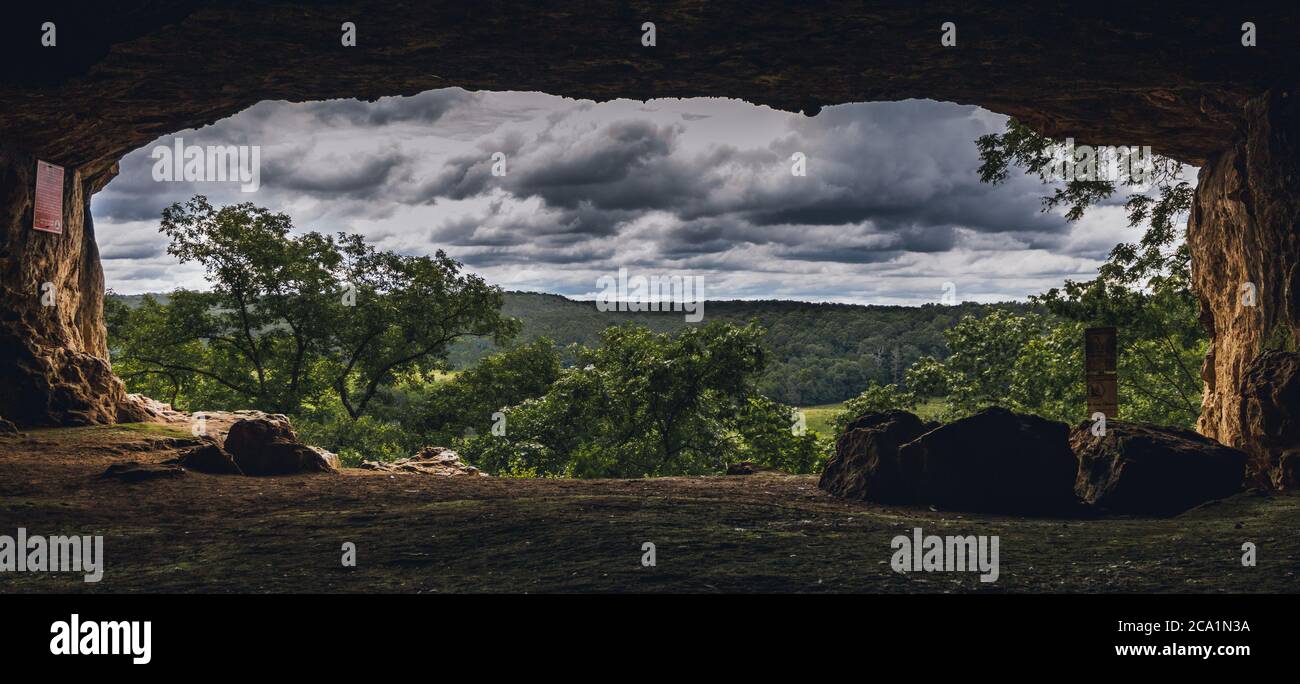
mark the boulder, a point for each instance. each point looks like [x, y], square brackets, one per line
[7, 427]
[1270, 416]
[135, 471]
[1148, 469]
[330, 457]
[430, 461]
[1287, 473]
[994, 461]
[745, 468]
[139, 408]
[267, 445]
[866, 464]
[209, 458]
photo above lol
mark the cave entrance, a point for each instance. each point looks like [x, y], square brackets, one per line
[122, 76]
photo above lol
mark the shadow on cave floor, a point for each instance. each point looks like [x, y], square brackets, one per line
[414, 533]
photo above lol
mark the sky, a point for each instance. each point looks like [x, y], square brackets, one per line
[889, 211]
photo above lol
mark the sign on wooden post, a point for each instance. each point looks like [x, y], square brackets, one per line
[47, 215]
[1101, 360]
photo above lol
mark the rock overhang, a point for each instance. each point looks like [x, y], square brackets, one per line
[1173, 76]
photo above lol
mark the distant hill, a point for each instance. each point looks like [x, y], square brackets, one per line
[821, 353]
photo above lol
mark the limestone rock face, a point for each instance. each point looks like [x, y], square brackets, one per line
[53, 347]
[866, 464]
[1244, 236]
[1270, 417]
[1147, 469]
[1287, 473]
[1066, 69]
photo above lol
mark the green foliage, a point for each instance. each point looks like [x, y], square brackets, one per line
[769, 434]
[1143, 289]
[365, 438]
[471, 402]
[1024, 147]
[1023, 362]
[1047, 374]
[645, 404]
[353, 342]
[876, 398]
[290, 319]
[820, 353]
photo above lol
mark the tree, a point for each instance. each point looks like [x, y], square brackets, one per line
[289, 318]
[768, 434]
[876, 398]
[408, 311]
[1144, 288]
[646, 404]
[471, 401]
[983, 361]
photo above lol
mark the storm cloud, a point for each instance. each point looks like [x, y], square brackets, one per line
[890, 207]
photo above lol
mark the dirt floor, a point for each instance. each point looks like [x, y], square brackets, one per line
[419, 533]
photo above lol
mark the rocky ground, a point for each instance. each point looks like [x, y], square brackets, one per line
[418, 532]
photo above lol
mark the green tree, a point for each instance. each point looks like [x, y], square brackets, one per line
[646, 404]
[473, 402]
[983, 361]
[1144, 288]
[768, 434]
[876, 398]
[290, 318]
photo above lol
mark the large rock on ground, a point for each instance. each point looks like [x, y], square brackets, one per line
[268, 446]
[748, 468]
[136, 471]
[995, 461]
[866, 464]
[1287, 474]
[211, 459]
[430, 461]
[1270, 417]
[1147, 469]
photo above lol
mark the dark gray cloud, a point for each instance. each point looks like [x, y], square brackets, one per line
[427, 108]
[132, 250]
[890, 206]
[355, 176]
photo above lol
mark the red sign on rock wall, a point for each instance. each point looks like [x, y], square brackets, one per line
[48, 213]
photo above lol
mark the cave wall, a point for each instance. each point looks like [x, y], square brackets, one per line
[1170, 75]
[1244, 235]
[55, 367]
